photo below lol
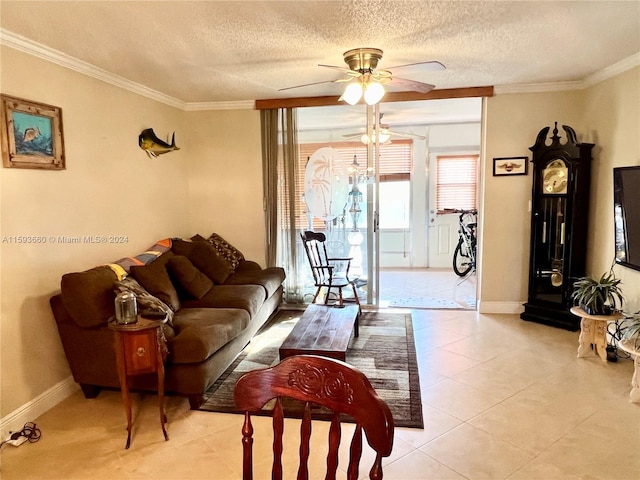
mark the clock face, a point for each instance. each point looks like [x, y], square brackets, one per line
[555, 177]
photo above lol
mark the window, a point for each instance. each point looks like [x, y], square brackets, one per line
[396, 159]
[456, 182]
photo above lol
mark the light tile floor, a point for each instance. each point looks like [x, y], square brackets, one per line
[427, 288]
[502, 399]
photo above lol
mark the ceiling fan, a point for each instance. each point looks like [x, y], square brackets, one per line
[363, 78]
[385, 134]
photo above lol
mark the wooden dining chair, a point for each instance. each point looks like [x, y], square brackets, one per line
[324, 268]
[322, 381]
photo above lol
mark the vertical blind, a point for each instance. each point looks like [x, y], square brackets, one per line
[456, 182]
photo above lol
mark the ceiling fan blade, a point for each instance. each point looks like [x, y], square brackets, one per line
[309, 84]
[352, 135]
[335, 67]
[406, 135]
[412, 85]
[432, 66]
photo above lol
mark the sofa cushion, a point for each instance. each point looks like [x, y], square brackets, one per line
[245, 297]
[146, 301]
[231, 254]
[189, 279]
[205, 258]
[200, 332]
[88, 296]
[269, 278]
[155, 279]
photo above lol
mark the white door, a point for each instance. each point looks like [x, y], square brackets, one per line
[442, 238]
[442, 229]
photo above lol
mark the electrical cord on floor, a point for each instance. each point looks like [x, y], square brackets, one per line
[616, 331]
[29, 433]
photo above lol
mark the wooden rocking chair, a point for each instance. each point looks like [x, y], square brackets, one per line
[324, 268]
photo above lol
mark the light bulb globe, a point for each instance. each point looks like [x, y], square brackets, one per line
[352, 93]
[373, 93]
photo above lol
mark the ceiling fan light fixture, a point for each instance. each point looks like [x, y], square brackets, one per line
[384, 137]
[373, 93]
[352, 93]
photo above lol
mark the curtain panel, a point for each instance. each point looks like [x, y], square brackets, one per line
[280, 169]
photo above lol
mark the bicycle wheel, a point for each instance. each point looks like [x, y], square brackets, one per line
[462, 263]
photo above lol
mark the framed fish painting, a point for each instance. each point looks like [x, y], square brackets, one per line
[31, 135]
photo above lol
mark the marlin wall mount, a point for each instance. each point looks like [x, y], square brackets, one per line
[153, 146]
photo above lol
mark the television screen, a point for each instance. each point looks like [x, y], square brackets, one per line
[626, 209]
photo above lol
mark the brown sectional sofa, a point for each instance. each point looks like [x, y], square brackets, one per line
[215, 299]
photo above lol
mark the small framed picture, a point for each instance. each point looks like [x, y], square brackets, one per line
[510, 166]
[31, 134]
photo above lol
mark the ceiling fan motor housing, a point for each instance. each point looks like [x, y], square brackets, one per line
[363, 60]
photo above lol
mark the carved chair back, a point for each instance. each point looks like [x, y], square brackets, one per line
[323, 381]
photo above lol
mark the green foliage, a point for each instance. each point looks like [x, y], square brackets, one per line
[632, 326]
[593, 294]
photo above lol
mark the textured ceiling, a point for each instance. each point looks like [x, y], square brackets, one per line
[212, 51]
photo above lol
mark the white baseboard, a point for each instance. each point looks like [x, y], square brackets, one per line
[36, 407]
[501, 307]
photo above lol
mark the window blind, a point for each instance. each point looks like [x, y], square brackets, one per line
[456, 182]
[396, 160]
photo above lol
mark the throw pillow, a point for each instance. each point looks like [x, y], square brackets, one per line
[193, 281]
[227, 251]
[205, 259]
[155, 279]
[146, 301]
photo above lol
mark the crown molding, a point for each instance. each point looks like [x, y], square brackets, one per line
[613, 70]
[600, 76]
[26, 45]
[537, 87]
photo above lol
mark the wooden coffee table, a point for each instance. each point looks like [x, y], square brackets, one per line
[322, 330]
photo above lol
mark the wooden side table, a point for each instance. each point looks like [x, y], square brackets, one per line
[140, 348]
[632, 349]
[593, 332]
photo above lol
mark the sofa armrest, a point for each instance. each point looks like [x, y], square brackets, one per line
[90, 351]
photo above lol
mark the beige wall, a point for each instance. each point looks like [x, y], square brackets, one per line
[512, 124]
[225, 178]
[607, 114]
[611, 121]
[110, 187]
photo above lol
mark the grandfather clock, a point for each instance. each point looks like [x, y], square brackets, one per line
[559, 213]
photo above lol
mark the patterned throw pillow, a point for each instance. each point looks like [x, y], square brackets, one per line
[146, 301]
[227, 251]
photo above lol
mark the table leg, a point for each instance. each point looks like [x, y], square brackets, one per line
[124, 386]
[600, 339]
[586, 337]
[163, 416]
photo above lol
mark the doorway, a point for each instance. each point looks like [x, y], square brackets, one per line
[416, 242]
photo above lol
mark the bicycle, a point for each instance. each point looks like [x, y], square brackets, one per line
[464, 256]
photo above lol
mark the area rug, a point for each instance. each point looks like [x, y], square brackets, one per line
[385, 352]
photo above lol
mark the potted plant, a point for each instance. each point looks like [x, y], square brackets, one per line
[630, 327]
[598, 296]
